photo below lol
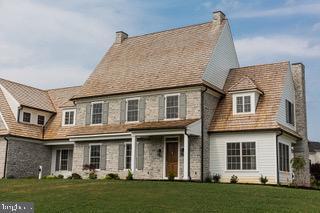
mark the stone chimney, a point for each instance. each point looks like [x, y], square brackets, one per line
[301, 147]
[218, 17]
[120, 37]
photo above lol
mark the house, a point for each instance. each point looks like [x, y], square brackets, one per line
[314, 152]
[173, 102]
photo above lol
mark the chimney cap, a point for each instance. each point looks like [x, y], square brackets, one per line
[218, 17]
[121, 36]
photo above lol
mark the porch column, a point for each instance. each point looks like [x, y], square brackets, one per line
[133, 153]
[186, 157]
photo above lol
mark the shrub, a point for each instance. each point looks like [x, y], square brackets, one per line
[315, 171]
[10, 177]
[112, 176]
[171, 176]
[50, 177]
[69, 178]
[60, 176]
[216, 178]
[208, 179]
[93, 176]
[90, 170]
[130, 176]
[263, 180]
[75, 176]
[234, 179]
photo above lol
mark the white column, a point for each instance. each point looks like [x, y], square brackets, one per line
[133, 153]
[186, 157]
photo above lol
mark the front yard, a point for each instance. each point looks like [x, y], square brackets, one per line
[147, 196]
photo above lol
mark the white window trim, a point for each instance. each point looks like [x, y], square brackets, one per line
[294, 112]
[131, 99]
[60, 159]
[165, 155]
[240, 170]
[95, 144]
[64, 116]
[91, 113]
[165, 106]
[290, 157]
[252, 103]
[125, 156]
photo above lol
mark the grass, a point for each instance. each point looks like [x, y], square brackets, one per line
[149, 196]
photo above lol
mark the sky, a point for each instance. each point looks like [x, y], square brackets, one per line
[58, 43]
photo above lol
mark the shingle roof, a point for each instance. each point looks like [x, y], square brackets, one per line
[29, 96]
[244, 83]
[314, 146]
[166, 59]
[271, 80]
[61, 99]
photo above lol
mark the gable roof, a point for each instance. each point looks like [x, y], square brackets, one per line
[171, 58]
[271, 80]
[243, 84]
[29, 96]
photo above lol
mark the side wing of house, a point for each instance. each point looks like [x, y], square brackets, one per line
[223, 59]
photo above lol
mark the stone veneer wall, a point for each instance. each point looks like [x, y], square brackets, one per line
[301, 148]
[3, 146]
[24, 158]
[210, 103]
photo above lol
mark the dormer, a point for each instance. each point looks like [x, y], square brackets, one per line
[245, 96]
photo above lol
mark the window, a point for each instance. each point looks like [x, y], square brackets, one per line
[290, 112]
[241, 156]
[284, 157]
[63, 157]
[26, 117]
[243, 104]
[41, 119]
[96, 113]
[132, 110]
[172, 106]
[69, 117]
[95, 156]
[127, 156]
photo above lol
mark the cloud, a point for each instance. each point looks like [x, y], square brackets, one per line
[316, 27]
[60, 40]
[263, 49]
[288, 9]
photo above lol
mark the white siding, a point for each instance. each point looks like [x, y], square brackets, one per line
[286, 177]
[288, 94]
[265, 156]
[224, 58]
[314, 157]
[13, 103]
[34, 115]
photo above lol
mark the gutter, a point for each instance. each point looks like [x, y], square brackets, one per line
[6, 156]
[277, 155]
[202, 142]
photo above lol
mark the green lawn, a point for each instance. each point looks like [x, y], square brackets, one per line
[147, 196]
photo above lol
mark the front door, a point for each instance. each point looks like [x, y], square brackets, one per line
[172, 159]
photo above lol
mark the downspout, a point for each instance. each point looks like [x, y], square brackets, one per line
[202, 122]
[5, 158]
[185, 132]
[277, 155]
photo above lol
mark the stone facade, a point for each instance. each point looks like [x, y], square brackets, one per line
[3, 146]
[24, 158]
[301, 148]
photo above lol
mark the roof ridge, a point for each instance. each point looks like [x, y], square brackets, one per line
[172, 29]
[257, 65]
[14, 82]
[61, 88]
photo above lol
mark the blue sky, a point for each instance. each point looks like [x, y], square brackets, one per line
[56, 43]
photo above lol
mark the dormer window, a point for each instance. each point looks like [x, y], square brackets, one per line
[41, 119]
[68, 118]
[244, 103]
[26, 117]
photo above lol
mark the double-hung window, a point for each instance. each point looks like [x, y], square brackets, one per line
[243, 104]
[26, 117]
[68, 117]
[172, 106]
[241, 156]
[284, 157]
[132, 110]
[96, 116]
[290, 112]
[63, 159]
[127, 156]
[95, 156]
[41, 120]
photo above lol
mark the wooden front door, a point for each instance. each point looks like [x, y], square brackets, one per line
[172, 159]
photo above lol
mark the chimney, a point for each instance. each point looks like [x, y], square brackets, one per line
[301, 147]
[120, 37]
[218, 17]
